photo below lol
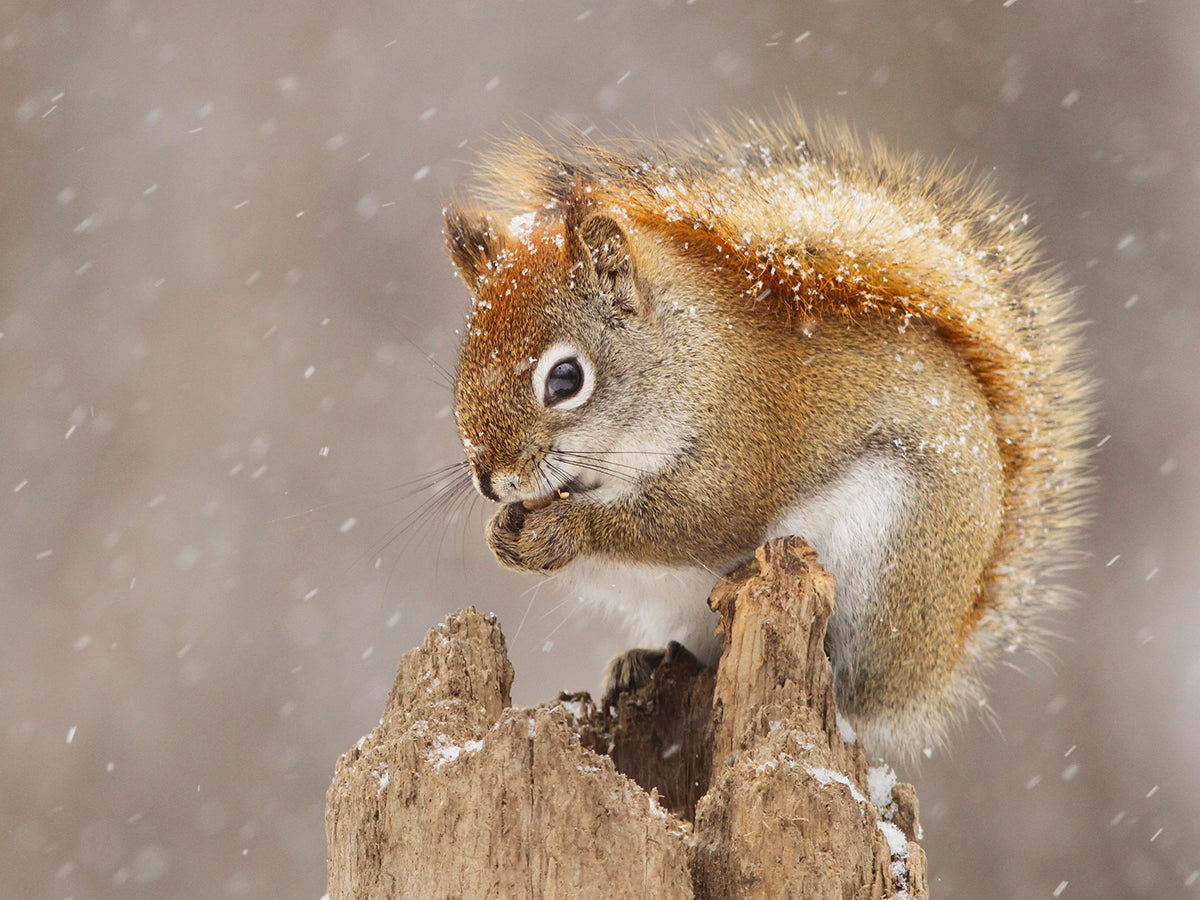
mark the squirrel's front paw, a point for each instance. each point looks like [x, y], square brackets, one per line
[538, 540]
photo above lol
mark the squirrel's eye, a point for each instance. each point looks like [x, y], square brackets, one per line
[563, 378]
[563, 381]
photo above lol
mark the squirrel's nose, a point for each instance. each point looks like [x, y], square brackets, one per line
[477, 455]
[484, 482]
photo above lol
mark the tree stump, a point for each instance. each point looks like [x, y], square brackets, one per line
[737, 783]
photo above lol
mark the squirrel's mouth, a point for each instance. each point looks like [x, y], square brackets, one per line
[573, 487]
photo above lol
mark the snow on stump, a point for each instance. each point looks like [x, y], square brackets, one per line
[699, 784]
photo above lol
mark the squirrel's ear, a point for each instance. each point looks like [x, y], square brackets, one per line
[605, 251]
[473, 243]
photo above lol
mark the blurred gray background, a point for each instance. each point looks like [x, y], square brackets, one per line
[220, 274]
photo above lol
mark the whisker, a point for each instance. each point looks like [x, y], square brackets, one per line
[600, 470]
[431, 478]
[446, 374]
[445, 490]
[464, 501]
[446, 498]
[579, 458]
[598, 453]
[564, 477]
[606, 454]
[592, 461]
[405, 488]
[554, 470]
[557, 606]
[456, 487]
[623, 473]
[573, 608]
[571, 613]
[439, 379]
[532, 593]
[700, 564]
[409, 525]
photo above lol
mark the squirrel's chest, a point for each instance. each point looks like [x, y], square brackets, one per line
[851, 521]
[659, 603]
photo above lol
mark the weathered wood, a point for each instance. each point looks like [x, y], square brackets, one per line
[752, 790]
[455, 796]
[788, 812]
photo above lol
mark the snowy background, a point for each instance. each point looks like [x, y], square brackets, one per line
[220, 272]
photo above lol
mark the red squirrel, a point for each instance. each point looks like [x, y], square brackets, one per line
[678, 351]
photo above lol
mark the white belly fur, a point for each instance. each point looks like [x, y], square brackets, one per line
[850, 522]
[659, 604]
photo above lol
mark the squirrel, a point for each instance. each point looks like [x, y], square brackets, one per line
[677, 351]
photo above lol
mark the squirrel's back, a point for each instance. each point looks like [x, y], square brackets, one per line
[823, 228]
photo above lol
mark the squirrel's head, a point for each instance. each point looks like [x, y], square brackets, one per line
[557, 357]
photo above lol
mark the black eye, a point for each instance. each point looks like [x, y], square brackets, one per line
[563, 377]
[564, 381]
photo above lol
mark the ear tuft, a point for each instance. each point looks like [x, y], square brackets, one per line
[608, 245]
[564, 183]
[473, 243]
[605, 250]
